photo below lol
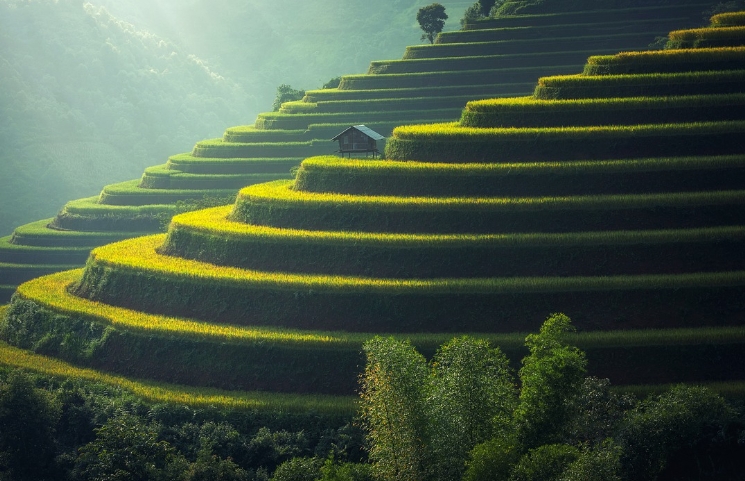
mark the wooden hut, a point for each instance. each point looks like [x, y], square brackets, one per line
[358, 139]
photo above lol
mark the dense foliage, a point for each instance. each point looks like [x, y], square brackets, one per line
[285, 93]
[432, 20]
[89, 431]
[462, 415]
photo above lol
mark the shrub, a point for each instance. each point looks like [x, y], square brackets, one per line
[686, 433]
[285, 93]
[545, 463]
[332, 84]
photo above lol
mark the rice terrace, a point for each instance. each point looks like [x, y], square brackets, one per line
[541, 278]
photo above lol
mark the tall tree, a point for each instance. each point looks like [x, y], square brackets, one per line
[432, 20]
[394, 408]
[127, 449]
[27, 419]
[472, 398]
[486, 6]
[550, 376]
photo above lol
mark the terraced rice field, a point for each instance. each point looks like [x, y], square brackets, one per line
[632, 226]
[431, 83]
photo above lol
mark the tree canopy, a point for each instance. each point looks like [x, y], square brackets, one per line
[432, 20]
[461, 415]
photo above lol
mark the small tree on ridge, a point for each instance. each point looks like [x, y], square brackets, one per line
[432, 20]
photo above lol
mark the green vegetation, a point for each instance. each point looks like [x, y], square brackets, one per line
[404, 93]
[561, 45]
[431, 19]
[532, 112]
[187, 163]
[557, 425]
[213, 355]
[639, 85]
[90, 426]
[271, 121]
[40, 234]
[426, 179]
[478, 227]
[707, 37]
[285, 93]
[588, 9]
[445, 142]
[519, 63]
[730, 19]
[132, 195]
[170, 393]
[667, 61]
[435, 79]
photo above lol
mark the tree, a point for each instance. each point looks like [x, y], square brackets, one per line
[432, 20]
[423, 420]
[286, 93]
[472, 13]
[298, 469]
[393, 402]
[486, 6]
[27, 419]
[687, 433]
[598, 464]
[332, 84]
[551, 375]
[126, 449]
[544, 463]
[472, 398]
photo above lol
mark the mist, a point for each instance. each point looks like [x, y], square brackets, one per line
[91, 93]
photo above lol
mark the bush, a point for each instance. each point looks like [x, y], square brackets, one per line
[597, 464]
[545, 463]
[472, 13]
[286, 93]
[331, 471]
[27, 420]
[686, 433]
[332, 84]
[298, 469]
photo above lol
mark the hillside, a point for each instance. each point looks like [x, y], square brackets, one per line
[430, 83]
[94, 92]
[613, 195]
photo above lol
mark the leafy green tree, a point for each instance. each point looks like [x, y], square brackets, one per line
[492, 460]
[686, 433]
[209, 467]
[601, 463]
[298, 469]
[394, 409]
[595, 412]
[286, 93]
[472, 398]
[544, 463]
[551, 375]
[271, 448]
[485, 6]
[127, 449]
[27, 419]
[76, 423]
[432, 20]
[332, 471]
[472, 13]
[332, 84]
